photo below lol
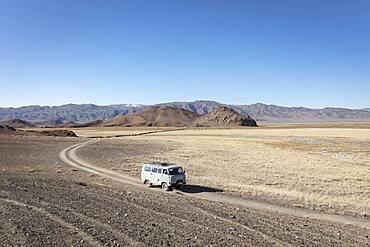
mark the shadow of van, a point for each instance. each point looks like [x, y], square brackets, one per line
[187, 188]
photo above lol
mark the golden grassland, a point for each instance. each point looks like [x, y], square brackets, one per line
[314, 167]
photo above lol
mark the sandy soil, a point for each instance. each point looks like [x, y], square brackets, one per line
[45, 201]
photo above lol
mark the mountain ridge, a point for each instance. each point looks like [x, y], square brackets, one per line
[83, 113]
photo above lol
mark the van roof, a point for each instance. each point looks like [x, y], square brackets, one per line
[167, 165]
[172, 166]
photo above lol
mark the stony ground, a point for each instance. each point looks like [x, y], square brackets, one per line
[45, 202]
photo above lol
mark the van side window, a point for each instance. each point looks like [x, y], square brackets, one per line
[154, 169]
[159, 170]
[147, 169]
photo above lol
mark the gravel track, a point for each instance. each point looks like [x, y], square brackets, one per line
[69, 156]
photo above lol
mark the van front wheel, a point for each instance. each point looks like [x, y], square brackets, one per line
[148, 184]
[166, 187]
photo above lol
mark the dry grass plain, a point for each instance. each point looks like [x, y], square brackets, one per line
[324, 168]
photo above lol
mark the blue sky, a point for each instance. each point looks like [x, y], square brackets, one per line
[312, 53]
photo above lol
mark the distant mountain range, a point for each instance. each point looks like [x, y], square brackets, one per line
[82, 113]
[68, 113]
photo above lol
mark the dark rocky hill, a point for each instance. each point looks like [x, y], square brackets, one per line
[224, 116]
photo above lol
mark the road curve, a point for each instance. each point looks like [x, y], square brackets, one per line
[69, 156]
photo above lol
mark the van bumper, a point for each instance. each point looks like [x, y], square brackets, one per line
[178, 182]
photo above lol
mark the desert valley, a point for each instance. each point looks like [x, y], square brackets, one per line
[277, 184]
[184, 123]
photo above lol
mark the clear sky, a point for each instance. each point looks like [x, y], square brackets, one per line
[312, 53]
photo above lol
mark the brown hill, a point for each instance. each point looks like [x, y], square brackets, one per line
[224, 116]
[17, 123]
[159, 116]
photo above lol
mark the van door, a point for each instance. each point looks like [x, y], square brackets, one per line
[159, 176]
[164, 176]
[154, 176]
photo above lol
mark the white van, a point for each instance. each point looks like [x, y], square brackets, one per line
[163, 174]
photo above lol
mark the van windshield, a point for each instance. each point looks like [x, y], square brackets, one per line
[175, 171]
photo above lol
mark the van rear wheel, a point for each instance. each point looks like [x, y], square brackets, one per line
[166, 187]
[148, 184]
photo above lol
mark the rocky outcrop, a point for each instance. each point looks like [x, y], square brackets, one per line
[224, 116]
[61, 133]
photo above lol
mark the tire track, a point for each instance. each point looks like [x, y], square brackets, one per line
[308, 232]
[165, 215]
[117, 233]
[268, 238]
[19, 237]
[56, 219]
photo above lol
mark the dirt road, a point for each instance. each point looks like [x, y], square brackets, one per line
[78, 204]
[69, 156]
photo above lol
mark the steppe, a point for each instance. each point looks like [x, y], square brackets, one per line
[321, 168]
[274, 185]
